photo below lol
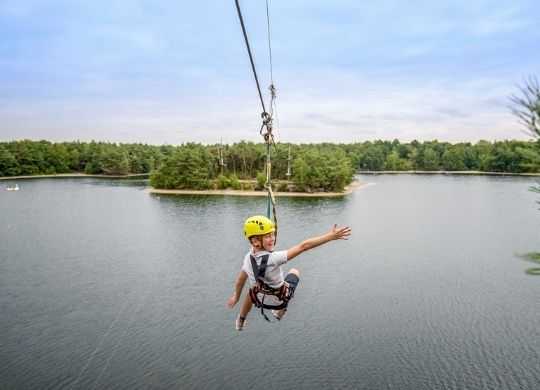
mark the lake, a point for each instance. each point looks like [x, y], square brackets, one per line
[103, 285]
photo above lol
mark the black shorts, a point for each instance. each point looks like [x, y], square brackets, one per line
[292, 280]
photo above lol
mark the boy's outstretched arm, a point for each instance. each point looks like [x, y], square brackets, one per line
[238, 286]
[335, 233]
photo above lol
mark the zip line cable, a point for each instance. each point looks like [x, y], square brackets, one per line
[271, 87]
[266, 117]
[269, 44]
[250, 55]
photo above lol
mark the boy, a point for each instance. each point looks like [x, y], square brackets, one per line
[260, 231]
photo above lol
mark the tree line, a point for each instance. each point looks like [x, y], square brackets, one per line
[43, 157]
[312, 167]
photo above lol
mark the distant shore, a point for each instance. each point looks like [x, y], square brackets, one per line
[473, 173]
[75, 175]
[348, 190]
[146, 175]
[229, 192]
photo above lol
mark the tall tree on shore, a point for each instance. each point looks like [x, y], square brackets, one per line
[527, 108]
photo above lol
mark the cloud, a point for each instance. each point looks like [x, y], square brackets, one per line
[453, 112]
[361, 109]
[14, 9]
[501, 20]
[348, 70]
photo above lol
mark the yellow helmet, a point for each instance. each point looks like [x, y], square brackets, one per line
[258, 225]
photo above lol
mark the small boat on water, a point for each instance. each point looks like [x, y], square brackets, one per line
[13, 188]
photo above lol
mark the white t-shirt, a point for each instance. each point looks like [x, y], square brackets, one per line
[274, 274]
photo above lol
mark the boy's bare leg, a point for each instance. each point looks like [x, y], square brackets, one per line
[280, 313]
[246, 306]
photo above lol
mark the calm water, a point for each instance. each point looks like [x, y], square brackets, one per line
[105, 286]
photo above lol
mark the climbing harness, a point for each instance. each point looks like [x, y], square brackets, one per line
[265, 297]
[267, 117]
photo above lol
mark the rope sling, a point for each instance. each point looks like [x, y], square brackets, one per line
[261, 290]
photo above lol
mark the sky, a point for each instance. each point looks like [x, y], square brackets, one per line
[168, 72]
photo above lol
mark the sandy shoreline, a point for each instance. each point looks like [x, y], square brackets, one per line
[75, 175]
[348, 190]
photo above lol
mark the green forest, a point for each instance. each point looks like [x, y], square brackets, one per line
[312, 167]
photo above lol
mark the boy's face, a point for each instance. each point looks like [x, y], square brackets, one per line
[265, 242]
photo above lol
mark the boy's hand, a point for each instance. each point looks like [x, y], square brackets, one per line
[232, 301]
[341, 233]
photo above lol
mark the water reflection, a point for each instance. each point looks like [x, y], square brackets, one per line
[120, 182]
[533, 257]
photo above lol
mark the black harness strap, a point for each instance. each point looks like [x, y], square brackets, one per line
[261, 287]
[259, 271]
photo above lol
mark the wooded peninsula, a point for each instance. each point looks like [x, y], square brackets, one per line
[323, 167]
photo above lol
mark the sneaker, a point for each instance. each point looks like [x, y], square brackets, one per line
[240, 323]
[278, 314]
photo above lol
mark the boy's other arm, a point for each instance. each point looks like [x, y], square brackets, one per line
[238, 286]
[335, 233]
